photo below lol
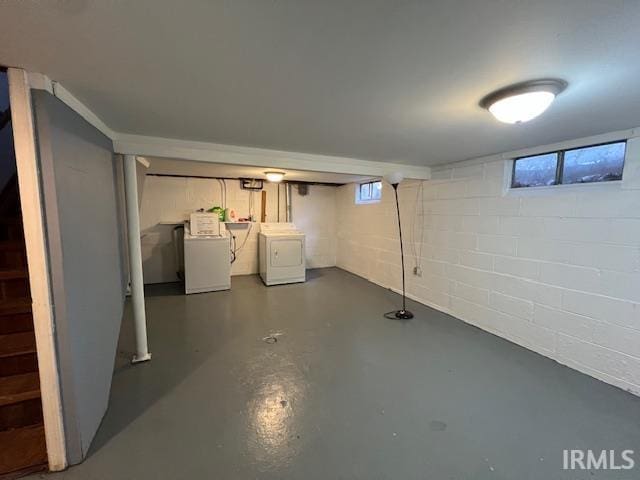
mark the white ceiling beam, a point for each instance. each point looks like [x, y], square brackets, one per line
[81, 109]
[259, 157]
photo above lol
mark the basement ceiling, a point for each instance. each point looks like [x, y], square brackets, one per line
[387, 80]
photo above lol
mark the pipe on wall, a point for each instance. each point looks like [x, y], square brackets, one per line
[288, 200]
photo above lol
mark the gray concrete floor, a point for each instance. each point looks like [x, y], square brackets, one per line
[342, 394]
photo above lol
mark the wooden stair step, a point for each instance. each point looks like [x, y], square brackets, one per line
[14, 285]
[11, 229]
[12, 255]
[18, 365]
[11, 246]
[14, 344]
[23, 414]
[19, 388]
[18, 322]
[22, 448]
[15, 306]
[13, 274]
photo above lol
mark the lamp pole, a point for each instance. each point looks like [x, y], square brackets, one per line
[403, 314]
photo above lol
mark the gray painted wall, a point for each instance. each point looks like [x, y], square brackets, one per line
[85, 232]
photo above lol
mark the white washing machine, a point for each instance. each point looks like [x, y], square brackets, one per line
[281, 252]
[207, 262]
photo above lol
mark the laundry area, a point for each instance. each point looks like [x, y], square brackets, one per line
[203, 223]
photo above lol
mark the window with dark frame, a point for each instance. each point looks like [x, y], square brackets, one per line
[589, 164]
[369, 192]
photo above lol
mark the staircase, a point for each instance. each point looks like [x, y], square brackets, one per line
[22, 441]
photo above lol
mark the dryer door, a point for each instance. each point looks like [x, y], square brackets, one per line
[287, 252]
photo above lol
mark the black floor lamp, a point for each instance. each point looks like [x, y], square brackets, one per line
[394, 180]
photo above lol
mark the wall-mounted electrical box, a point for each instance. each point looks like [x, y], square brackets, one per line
[252, 184]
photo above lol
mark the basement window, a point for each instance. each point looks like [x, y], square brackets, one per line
[591, 164]
[369, 192]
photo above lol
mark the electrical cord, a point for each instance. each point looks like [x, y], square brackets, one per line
[417, 251]
[245, 239]
[233, 248]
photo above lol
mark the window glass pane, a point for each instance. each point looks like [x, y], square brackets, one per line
[365, 191]
[535, 171]
[602, 163]
[376, 192]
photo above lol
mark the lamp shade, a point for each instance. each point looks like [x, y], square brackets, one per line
[394, 178]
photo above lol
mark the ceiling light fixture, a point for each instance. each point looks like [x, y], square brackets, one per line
[275, 177]
[523, 101]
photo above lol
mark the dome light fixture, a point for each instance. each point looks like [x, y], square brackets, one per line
[274, 177]
[524, 101]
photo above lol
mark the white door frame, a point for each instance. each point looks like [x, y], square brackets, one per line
[38, 264]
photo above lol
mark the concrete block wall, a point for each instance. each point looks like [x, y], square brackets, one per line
[314, 214]
[554, 269]
[170, 199]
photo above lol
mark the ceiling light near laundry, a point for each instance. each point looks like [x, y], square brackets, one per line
[524, 101]
[274, 177]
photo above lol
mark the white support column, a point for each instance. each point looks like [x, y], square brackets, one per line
[135, 259]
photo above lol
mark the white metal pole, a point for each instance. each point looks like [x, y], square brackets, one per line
[135, 259]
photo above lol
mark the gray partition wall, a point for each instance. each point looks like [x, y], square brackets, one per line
[85, 231]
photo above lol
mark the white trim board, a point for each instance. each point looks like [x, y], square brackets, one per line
[260, 157]
[63, 94]
[144, 162]
[38, 265]
[38, 81]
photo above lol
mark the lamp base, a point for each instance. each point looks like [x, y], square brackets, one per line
[400, 315]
